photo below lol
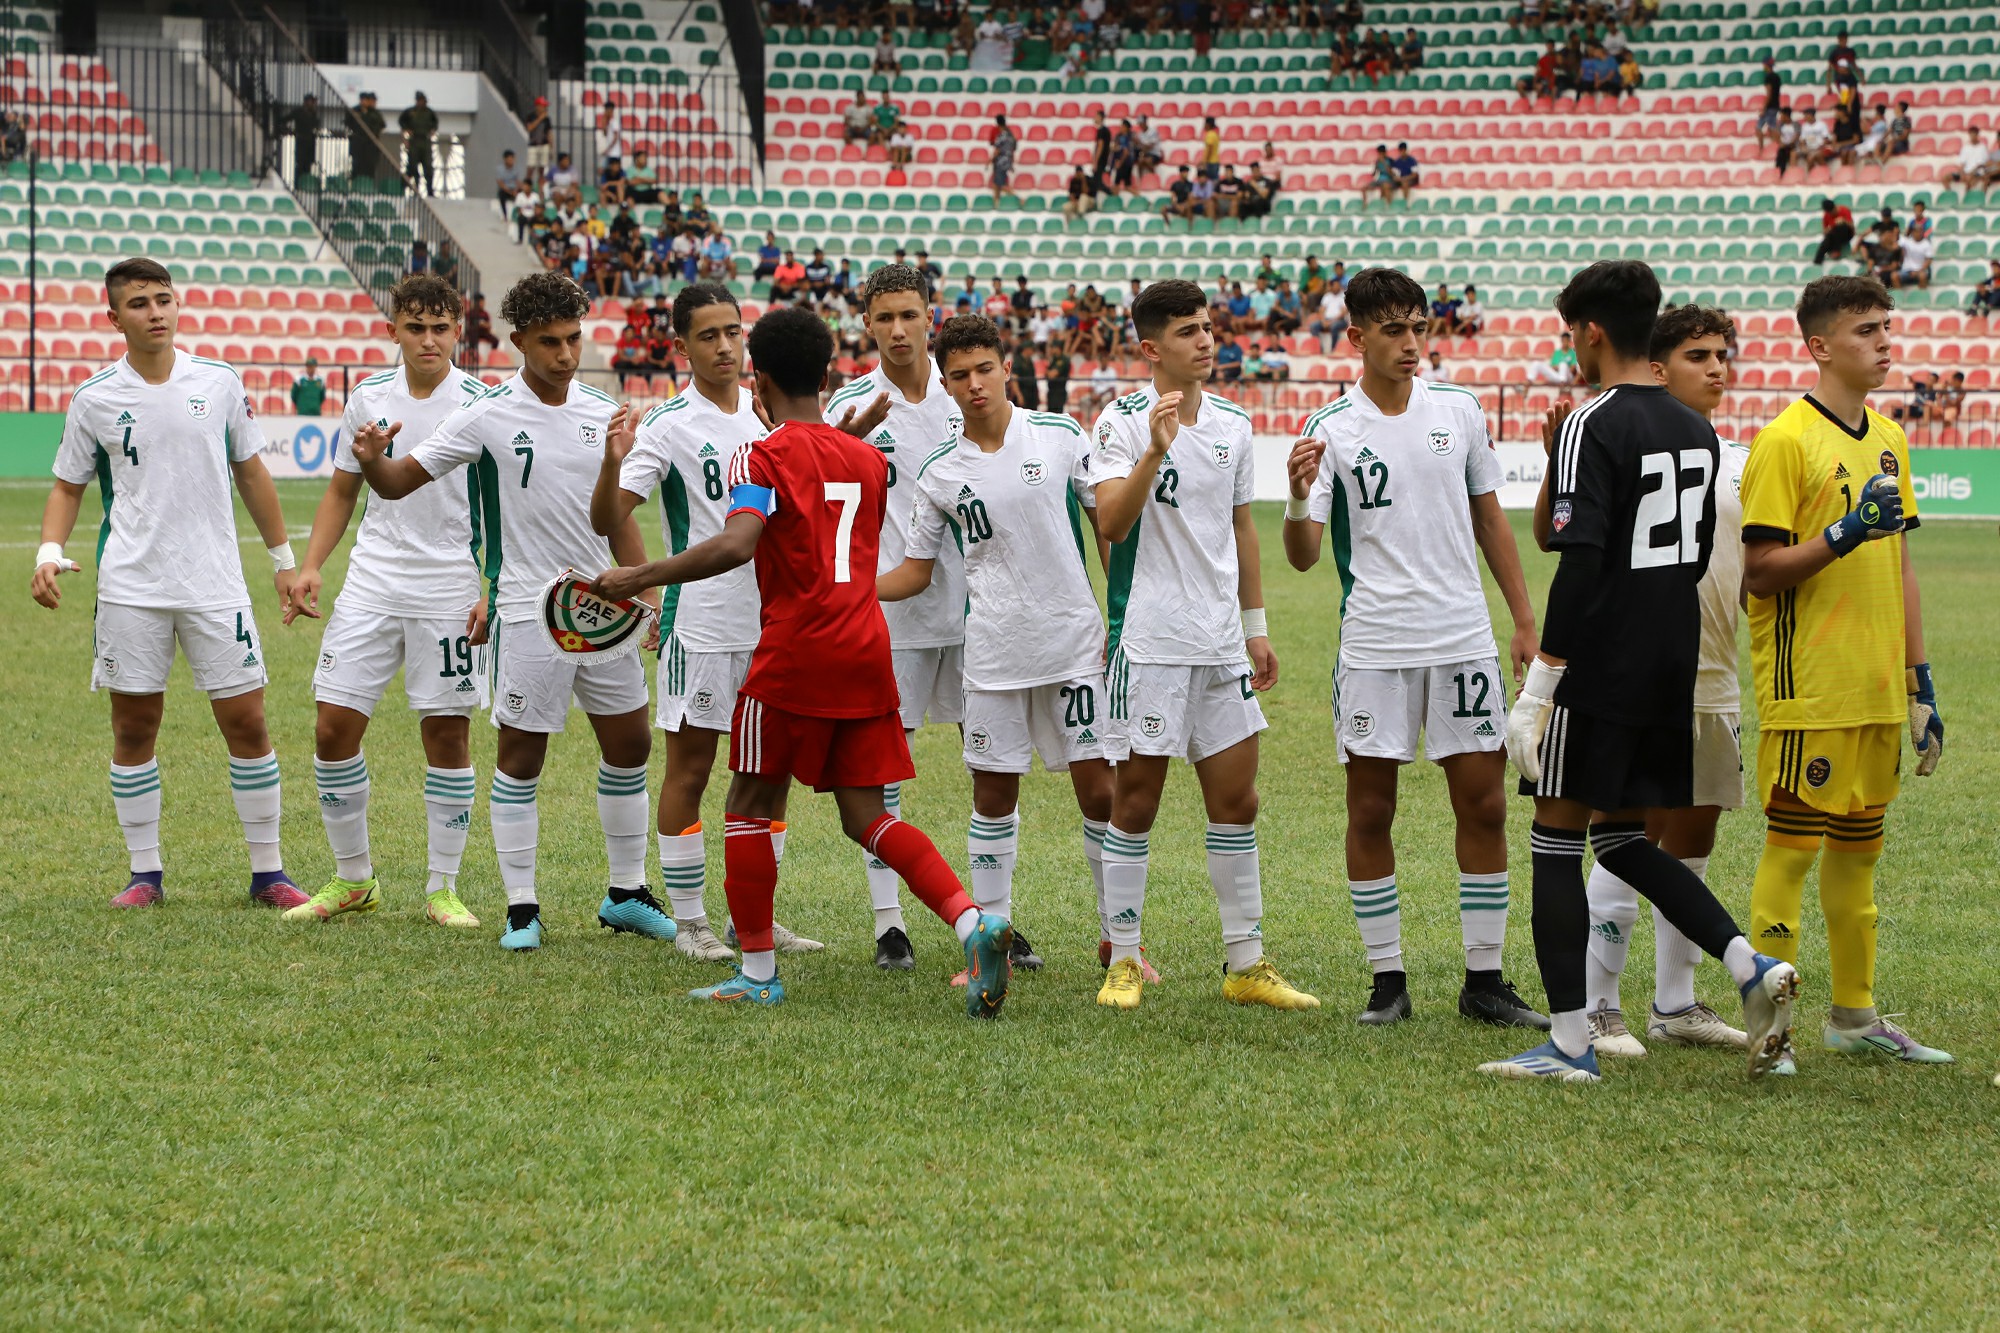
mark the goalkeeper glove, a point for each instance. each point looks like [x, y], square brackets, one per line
[1528, 719]
[1879, 515]
[1926, 726]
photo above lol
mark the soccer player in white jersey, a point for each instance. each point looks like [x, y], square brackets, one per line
[538, 441]
[1406, 473]
[411, 599]
[1690, 356]
[164, 434]
[683, 447]
[1172, 471]
[1012, 490]
[927, 632]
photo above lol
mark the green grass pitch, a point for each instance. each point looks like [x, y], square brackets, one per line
[212, 1120]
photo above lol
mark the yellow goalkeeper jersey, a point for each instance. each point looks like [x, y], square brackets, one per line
[1829, 652]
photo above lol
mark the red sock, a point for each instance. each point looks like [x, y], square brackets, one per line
[750, 879]
[905, 850]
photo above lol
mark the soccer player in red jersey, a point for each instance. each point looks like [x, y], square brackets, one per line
[819, 704]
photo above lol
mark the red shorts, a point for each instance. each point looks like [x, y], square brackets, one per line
[822, 752]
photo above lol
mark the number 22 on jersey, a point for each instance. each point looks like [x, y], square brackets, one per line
[1666, 505]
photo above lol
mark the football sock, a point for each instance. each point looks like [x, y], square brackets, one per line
[1569, 1029]
[750, 882]
[623, 810]
[343, 808]
[1560, 918]
[135, 795]
[1792, 835]
[517, 828]
[254, 784]
[965, 923]
[1124, 889]
[882, 884]
[991, 848]
[448, 796]
[1670, 886]
[521, 913]
[1741, 960]
[1234, 873]
[760, 964]
[1847, 897]
[1482, 917]
[1093, 854]
[1378, 912]
[1675, 956]
[915, 860]
[1614, 908]
[684, 873]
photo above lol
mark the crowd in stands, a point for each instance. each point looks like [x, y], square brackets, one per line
[1587, 48]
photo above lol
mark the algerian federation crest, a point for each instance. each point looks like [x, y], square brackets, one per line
[703, 700]
[198, 406]
[1103, 433]
[978, 741]
[592, 436]
[581, 622]
[1440, 442]
[1222, 455]
[1032, 471]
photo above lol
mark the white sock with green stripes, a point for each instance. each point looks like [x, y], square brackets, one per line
[343, 808]
[135, 795]
[517, 827]
[992, 845]
[254, 784]
[684, 874]
[1378, 912]
[1093, 853]
[1124, 889]
[1239, 891]
[883, 882]
[623, 809]
[448, 794]
[1482, 918]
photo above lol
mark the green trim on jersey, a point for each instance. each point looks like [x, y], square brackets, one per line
[489, 486]
[597, 393]
[1324, 414]
[211, 361]
[380, 377]
[674, 495]
[1343, 542]
[96, 379]
[1118, 583]
[501, 390]
[1227, 406]
[1055, 419]
[936, 454]
[1456, 388]
[1075, 508]
[104, 493]
[854, 388]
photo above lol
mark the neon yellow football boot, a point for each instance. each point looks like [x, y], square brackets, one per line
[337, 898]
[444, 909]
[1260, 984]
[1123, 985]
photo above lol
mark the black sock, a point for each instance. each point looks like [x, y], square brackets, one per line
[1391, 984]
[1561, 914]
[520, 914]
[1670, 886]
[619, 895]
[1482, 980]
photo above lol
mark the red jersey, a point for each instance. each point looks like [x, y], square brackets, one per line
[824, 649]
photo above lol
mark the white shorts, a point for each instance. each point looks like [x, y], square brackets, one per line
[1187, 711]
[1005, 729]
[538, 154]
[1718, 760]
[1460, 708]
[699, 689]
[444, 672]
[134, 649]
[532, 682]
[930, 681]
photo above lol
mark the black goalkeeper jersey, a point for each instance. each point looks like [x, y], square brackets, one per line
[1634, 477]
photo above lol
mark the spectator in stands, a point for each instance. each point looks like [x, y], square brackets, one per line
[1203, 196]
[929, 267]
[305, 140]
[1630, 77]
[1788, 141]
[1920, 222]
[1180, 199]
[819, 275]
[1312, 280]
[1767, 117]
[1092, 329]
[1228, 200]
[1444, 312]
[1528, 14]
[717, 263]
[507, 183]
[659, 352]
[1056, 372]
[1405, 163]
[885, 54]
[1263, 299]
[611, 181]
[364, 136]
[1042, 327]
[1874, 145]
[1003, 159]
[1287, 312]
[1329, 321]
[1836, 231]
[1560, 368]
[565, 186]
[1239, 309]
[1228, 358]
[1986, 296]
[1848, 133]
[1597, 74]
[843, 281]
[1921, 405]
[991, 49]
[1082, 194]
[445, 262]
[1879, 242]
[1253, 361]
[1842, 61]
[1124, 159]
[1382, 178]
[1410, 55]
[629, 357]
[1027, 393]
[788, 279]
[997, 305]
[420, 126]
[642, 179]
[853, 331]
[1814, 137]
[541, 136]
[1277, 362]
[1147, 140]
[1211, 148]
[1437, 372]
[1976, 164]
[857, 122]
[698, 219]
[1913, 268]
[1260, 193]
[1547, 80]
[965, 38]
[1900, 126]
[1471, 314]
[308, 391]
[887, 116]
[1023, 303]
[1951, 399]
[902, 146]
[660, 316]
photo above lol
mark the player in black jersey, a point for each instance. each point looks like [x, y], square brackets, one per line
[1603, 729]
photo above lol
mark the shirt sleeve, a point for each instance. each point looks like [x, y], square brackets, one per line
[454, 443]
[1483, 473]
[1899, 445]
[1245, 487]
[76, 456]
[1319, 496]
[647, 464]
[1585, 489]
[1079, 475]
[927, 524]
[244, 433]
[753, 482]
[1771, 495]
[352, 419]
[1115, 454]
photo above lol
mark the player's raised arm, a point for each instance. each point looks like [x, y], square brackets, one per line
[1301, 533]
[735, 545]
[58, 521]
[610, 503]
[1551, 427]
[1122, 495]
[389, 477]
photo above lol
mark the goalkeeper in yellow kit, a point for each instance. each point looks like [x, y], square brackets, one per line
[1836, 640]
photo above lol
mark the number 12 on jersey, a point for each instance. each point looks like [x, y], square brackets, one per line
[846, 494]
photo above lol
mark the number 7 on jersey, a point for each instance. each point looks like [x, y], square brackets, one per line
[846, 494]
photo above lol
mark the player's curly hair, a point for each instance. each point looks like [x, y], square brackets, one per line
[895, 278]
[965, 333]
[1163, 302]
[1379, 293]
[426, 294]
[1824, 298]
[1683, 323]
[543, 298]
[793, 347]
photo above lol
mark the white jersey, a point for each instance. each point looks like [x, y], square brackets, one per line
[539, 464]
[1718, 688]
[1173, 579]
[683, 446]
[934, 618]
[1014, 512]
[418, 550]
[1396, 491]
[161, 455]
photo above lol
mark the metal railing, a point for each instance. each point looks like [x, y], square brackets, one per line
[697, 134]
[136, 106]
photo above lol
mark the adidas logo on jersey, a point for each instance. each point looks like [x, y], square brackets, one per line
[465, 686]
[965, 492]
[1840, 472]
[125, 419]
[522, 437]
[1366, 455]
[1484, 731]
[884, 439]
[463, 819]
[708, 451]
[1086, 737]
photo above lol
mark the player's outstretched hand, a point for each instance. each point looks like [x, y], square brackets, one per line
[372, 442]
[1528, 719]
[1165, 422]
[283, 580]
[621, 583]
[619, 434]
[763, 417]
[1521, 650]
[303, 597]
[1926, 723]
[1303, 465]
[1878, 514]
[1552, 423]
[475, 623]
[1263, 663]
[862, 422]
[42, 586]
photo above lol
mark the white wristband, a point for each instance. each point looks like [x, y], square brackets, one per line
[281, 557]
[1543, 679]
[1254, 625]
[51, 553]
[1295, 509]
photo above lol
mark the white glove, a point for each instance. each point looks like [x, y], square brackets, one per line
[1528, 719]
